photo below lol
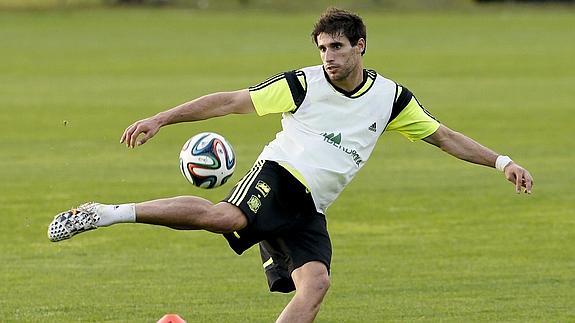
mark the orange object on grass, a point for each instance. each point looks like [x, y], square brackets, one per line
[171, 318]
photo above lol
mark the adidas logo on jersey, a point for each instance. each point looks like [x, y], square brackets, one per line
[373, 127]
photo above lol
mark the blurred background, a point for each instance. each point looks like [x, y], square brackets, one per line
[270, 4]
[418, 236]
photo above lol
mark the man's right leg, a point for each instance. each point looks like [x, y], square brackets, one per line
[191, 213]
[184, 212]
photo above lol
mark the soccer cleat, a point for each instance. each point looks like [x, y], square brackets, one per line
[67, 224]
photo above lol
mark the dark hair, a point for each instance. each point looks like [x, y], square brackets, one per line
[336, 21]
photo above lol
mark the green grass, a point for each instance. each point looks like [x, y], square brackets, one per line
[418, 235]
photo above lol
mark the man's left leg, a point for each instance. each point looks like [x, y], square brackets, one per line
[311, 282]
[182, 212]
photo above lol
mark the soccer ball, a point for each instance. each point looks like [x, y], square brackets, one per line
[207, 160]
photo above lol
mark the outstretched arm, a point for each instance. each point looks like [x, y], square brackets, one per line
[465, 148]
[205, 107]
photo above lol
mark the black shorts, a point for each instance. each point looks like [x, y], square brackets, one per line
[283, 219]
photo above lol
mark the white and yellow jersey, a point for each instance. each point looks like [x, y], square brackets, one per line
[328, 134]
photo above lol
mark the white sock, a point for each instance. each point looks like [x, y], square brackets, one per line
[119, 213]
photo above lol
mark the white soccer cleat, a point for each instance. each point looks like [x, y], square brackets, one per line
[67, 224]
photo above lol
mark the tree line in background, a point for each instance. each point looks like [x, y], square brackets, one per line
[272, 5]
[248, 2]
[523, 1]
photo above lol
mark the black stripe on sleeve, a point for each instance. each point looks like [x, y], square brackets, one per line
[267, 82]
[400, 102]
[425, 110]
[296, 89]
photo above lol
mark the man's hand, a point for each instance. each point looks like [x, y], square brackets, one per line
[520, 177]
[148, 127]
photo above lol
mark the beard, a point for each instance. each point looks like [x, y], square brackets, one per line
[342, 75]
[343, 71]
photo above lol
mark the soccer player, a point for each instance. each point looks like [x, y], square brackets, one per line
[333, 115]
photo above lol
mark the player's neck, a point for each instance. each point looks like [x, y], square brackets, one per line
[352, 81]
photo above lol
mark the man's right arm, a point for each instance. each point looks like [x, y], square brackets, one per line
[205, 107]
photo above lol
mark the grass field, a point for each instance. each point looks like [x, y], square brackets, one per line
[418, 235]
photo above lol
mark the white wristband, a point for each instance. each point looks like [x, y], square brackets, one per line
[502, 161]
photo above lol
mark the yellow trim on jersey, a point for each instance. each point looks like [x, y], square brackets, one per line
[301, 79]
[413, 122]
[371, 75]
[294, 173]
[367, 83]
[274, 95]
[400, 89]
[363, 89]
[268, 262]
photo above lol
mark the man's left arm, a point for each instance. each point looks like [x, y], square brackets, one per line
[465, 148]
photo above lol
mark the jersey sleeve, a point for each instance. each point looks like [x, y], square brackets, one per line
[410, 118]
[283, 92]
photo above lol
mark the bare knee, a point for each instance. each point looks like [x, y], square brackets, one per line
[318, 287]
[312, 281]
[323, 283]
[224, 217]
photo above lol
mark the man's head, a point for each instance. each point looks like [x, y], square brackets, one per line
[336, 22]
[340, 38]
